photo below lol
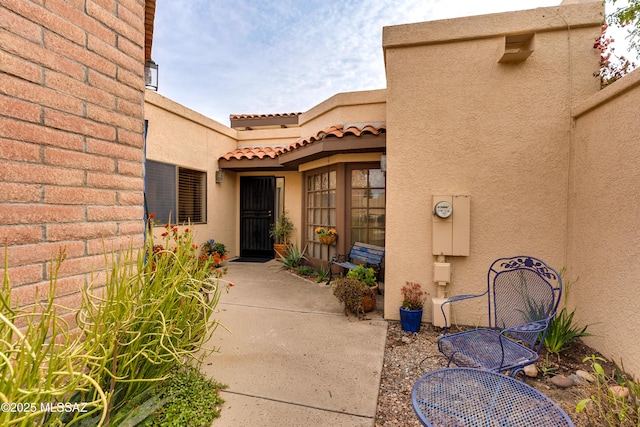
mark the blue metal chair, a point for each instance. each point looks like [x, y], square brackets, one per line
[523, 295]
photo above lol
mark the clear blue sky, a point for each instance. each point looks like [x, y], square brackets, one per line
[222, 57]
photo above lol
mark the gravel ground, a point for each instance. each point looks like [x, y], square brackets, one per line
[407, 357]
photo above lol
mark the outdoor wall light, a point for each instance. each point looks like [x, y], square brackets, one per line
[219, 176]
[383, 163]
[151, 75]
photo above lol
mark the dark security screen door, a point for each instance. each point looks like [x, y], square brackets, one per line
[256, 215]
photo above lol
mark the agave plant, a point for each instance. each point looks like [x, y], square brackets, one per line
[562, 331]
[294, 257]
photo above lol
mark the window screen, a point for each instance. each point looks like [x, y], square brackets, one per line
[175, 193]
[160, 190]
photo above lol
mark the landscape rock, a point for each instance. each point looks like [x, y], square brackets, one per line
[585, 375]
[561, 381]
[531, 371]
[620, 391]
[576, 379]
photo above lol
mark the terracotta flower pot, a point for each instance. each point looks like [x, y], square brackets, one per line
[369, 302]
[280, 249]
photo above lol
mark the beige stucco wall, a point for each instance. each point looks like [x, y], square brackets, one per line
[459, 122]
[348, 107]
[267, 137]
[186, 138]
[180, 136]
[549, 161]
[605, 207]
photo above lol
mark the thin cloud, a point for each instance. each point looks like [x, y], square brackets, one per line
[222, 57]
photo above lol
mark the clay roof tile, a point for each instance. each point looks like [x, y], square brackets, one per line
[339, 131]
[261, 116]
[251, 152]
[336, 131]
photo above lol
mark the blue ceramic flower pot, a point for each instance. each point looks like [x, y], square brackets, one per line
[410, 319]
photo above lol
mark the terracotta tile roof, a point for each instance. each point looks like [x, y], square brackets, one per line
[339, 131]
[336, 131]
[149, 15]
[253, 152]
[261, 116]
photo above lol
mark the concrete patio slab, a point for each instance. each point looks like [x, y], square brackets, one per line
[291, 357]
[241, 410]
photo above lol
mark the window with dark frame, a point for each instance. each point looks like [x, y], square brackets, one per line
[368, 206]
[321, 210]
[175, 193]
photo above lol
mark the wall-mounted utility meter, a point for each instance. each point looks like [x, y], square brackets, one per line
[451, 225]
[443, 209]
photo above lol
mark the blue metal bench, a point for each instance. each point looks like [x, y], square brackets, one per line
[360, 254]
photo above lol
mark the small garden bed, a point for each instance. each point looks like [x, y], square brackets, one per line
[409, 355]
[129, 358]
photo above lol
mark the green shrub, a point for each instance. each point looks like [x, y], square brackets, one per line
[364, 274]
[36, 371]
[606, 408]
[196, 400]
[306, 270]
[281, 230]
[211, 247]
[322, 274]
[562, 332]
[351, 292]
[153, 312]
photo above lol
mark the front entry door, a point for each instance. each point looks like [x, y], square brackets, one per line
[256, 215]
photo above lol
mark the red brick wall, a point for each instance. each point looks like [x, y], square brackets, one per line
[71, 136]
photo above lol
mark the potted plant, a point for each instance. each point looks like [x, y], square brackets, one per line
[364, 274]
[367, 276]
[326, 235]
[216, 250]
[281, 231]
[411, 310]
[352, 292]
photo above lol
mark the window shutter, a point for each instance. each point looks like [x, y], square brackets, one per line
[192, 196]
